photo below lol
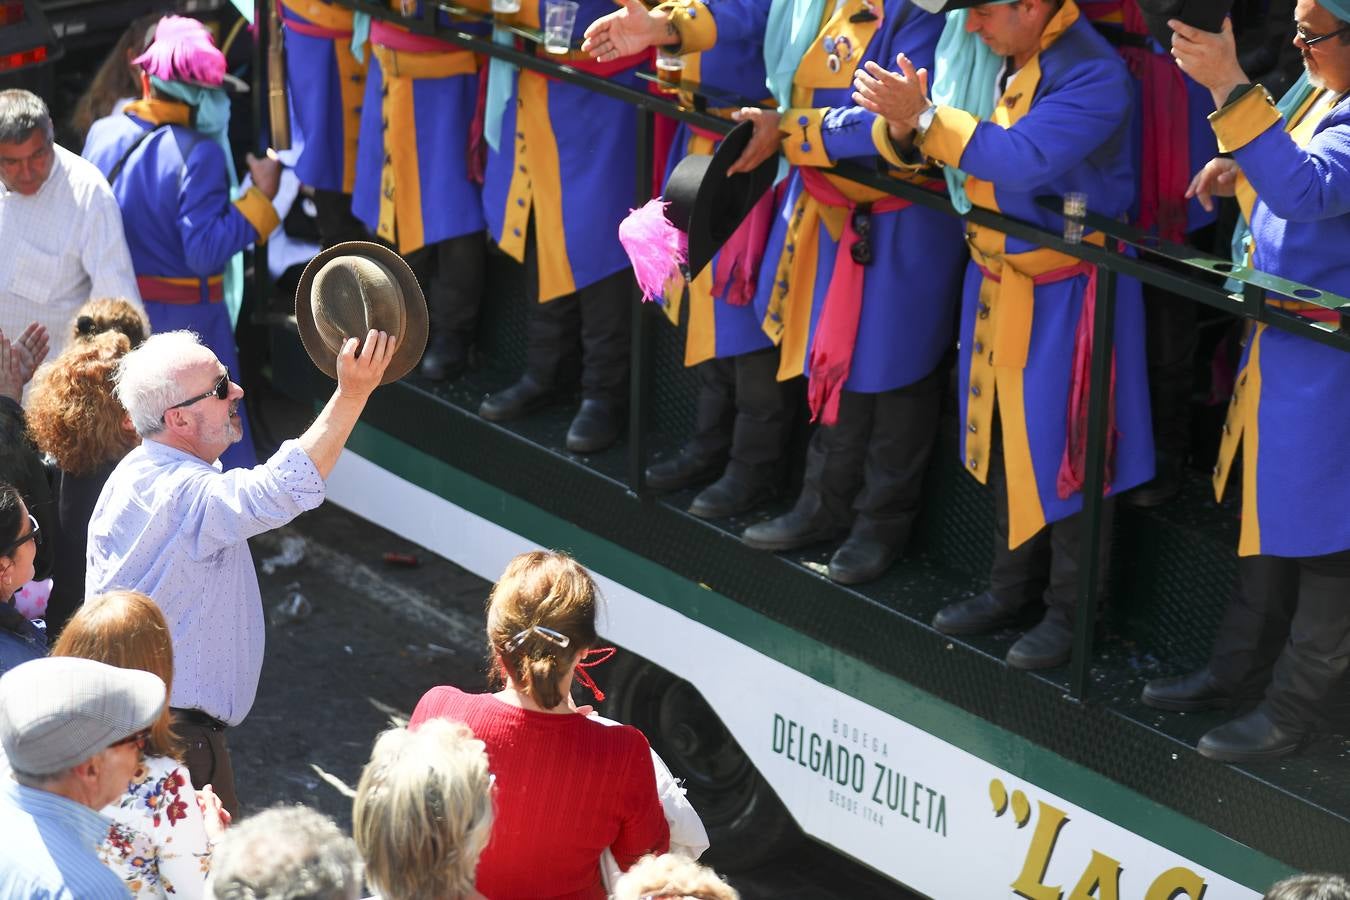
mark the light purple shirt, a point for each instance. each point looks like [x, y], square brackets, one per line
[177, 528]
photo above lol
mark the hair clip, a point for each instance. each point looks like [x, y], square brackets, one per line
[548, 634]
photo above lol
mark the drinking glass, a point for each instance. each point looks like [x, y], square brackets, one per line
[1075, 208]
[560, 17]
[505, 7]
[669, 71]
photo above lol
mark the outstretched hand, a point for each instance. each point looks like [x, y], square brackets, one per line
[628, 30]
[360, 373]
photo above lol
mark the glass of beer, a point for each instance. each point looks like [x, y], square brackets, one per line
[669, 71]
[560, 17]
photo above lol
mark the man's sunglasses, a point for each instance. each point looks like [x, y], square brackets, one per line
[140, 739]
[1311, 39]
[220, 392]
[34, 533]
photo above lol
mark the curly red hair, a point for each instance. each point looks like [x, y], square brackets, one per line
[73, 414]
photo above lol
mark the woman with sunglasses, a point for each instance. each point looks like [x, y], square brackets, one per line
[568, 787]
[162, 831]
[20, 639]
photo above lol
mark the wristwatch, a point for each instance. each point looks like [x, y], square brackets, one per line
[925, 119]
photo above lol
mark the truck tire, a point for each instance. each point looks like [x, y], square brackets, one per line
[747, 824]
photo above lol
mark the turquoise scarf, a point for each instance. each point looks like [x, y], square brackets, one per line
[1289, 103]
[212, 119]
[963, 78]
[501, 85]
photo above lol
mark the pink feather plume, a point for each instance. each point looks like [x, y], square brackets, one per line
[655, 247]
[183, 51]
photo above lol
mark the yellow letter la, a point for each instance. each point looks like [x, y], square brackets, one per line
[1049, 821]
[1173, 882]
[1100, 879]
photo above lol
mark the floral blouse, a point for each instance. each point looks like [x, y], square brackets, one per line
[157, 842]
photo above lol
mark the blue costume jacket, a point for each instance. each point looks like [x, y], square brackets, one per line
[734, 67]
[567, 155]
[326, 83]
[181, 226]
[1291, 409]
[1061, 125]
[413, 186]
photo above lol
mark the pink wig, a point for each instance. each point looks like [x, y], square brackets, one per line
[183, 51]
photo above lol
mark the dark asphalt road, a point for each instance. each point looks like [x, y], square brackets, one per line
[378, 637]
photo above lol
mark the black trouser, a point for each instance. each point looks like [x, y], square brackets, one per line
[765, 413]
[334, 218]
[451, 273]
[868, 467]
[1044, 566]
[1255, 624]
[599, 314]
[1314, 659]
[1172, 333]
[207, 756]
[714, 410]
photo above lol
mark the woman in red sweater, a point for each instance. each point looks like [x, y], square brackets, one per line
[567, 787]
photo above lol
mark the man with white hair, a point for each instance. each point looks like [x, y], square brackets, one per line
[171, 524]
[283, 853]
[59, 224]
[72, 730]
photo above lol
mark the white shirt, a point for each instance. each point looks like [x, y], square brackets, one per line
[61, 247]
[177, 528]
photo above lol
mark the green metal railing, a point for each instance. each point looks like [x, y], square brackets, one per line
[1188, 273]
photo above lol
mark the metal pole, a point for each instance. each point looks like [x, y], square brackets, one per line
[639, 377]
[261, 139]
[1089, 559]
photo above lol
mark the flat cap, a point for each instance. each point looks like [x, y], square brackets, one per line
[55, 713]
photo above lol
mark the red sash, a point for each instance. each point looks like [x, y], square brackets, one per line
[831, 355]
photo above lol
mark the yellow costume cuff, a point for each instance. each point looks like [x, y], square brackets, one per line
[1237, 124]
[696, 25]
[803, 144]
[886, 149]
[946, 139]
[259, 211]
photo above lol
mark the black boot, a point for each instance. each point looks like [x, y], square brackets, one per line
[834, 462]
[981, 614]
[1047, 645]
[597, 425]
[1192, 692]
[740, 489]
[705, 455]
[1251, 738]
[451, 272]
[525, 396]
[904, 427]
[808, 522]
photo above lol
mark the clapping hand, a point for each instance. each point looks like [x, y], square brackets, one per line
[21, 358]
[629, 30]
[898, 97]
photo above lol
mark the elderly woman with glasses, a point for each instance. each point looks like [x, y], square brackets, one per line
[162, 831]
[20, 639]
[568, 787]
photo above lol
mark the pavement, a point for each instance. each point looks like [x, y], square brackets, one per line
[355, 654]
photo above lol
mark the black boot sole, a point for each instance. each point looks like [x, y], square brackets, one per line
[517, 412]
[795, 542]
